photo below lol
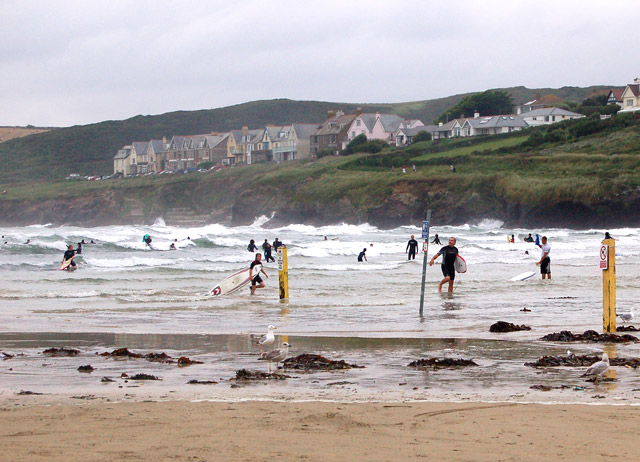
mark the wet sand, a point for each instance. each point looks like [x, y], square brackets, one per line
[318, 431]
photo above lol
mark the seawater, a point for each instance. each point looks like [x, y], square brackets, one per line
[126, 295]
[122, 286]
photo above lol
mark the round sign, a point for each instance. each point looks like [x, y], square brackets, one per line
[603, 252]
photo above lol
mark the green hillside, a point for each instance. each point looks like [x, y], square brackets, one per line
[575, 173]
[89, 149]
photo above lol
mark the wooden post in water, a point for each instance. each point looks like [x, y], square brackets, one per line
[425, 249]
[283, 273]
[608, 266]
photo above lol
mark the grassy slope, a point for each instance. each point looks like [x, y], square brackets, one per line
[597, 167]
[89, 149]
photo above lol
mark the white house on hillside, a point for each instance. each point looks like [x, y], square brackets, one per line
[378, 126]
[631, 97]
[549, 115]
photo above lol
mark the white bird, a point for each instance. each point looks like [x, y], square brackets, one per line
[267, 339]
[598, 368]
[277, 355]
[627, 317]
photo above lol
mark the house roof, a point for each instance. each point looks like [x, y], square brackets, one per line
[448, 126]
[274, 131]
[617, 93]
[123, 153]
[156, 145]
[422, 128]
[335, 125]
[390, 122]
[498, 121]
[635, 89]
[304, 131]
[140, 146]
[215, 140]
[550, 111]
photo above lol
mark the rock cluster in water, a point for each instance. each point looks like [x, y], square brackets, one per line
[442, 362]
[245, 374]
[581, 361]
[61, 352]
[155, 357]
[589, 336]
[309, 362]
[503, 326]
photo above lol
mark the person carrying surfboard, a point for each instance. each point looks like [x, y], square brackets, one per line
[254, 274]
[449, 254]
[545, 261]
[68, 255]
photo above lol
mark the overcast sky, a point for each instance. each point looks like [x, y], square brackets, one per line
[77, 62]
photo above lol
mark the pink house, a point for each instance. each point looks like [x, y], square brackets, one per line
[378, 127]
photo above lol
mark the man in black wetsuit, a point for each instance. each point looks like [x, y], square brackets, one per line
[267, 252]
[412, 246]
[79, 248]
[436, 240]
[363, 255]
[70, 253]
[449, 254]
[254, 274]
[277, 244]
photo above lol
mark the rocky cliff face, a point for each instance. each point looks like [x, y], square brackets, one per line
[407, 203]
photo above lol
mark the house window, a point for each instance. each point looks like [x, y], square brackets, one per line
[535, 118]
[358, 123]
[353, 135]
[332, 139]
[629, 102]
[553, 118]
[546, 118]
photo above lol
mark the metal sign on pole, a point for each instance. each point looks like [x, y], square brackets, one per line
[283, 273]
[425, 249]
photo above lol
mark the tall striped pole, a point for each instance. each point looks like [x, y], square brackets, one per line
[283, 273]
[425, 249]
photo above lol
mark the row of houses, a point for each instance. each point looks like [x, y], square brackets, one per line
[299, 141]
[249, 146]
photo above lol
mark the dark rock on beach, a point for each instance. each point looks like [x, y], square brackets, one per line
[184, 361]
[121, 353]
[61, 352]
[589, 336]
[627, 329]
[245, 374]
[581, 361]
[438, 363]
[201, 382]
[309, 362]
[503, 326]
[153, 357]
[143, 377]
[86, 368]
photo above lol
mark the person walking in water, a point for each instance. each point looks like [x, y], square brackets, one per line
[68, 255]
[252, 247]
[267, 252]
[545, 261]
[412, 246]
[436, 240]
[449, 254]
[362, 255]
[254, 274]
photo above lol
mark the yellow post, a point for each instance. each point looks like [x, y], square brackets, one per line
[283, 273]
[608, 265]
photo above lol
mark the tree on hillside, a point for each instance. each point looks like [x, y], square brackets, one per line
[422, 136]
[490, 102]
[355, 144]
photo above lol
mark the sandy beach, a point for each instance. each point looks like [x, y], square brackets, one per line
[318, 431]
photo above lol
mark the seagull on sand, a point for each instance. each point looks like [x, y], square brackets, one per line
[598, 368]
[627, 317]
[267, 339]
[277, 355]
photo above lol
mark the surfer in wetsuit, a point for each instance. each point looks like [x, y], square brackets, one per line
[254, 273]
[277, 244]
[529, 238]
[545, 261]
[252, 247]
[147, 240]
[362, 255]
[267, 252]
[412, 246]
[436, 240]
[449, 254]
[79, 248]
[69, 254]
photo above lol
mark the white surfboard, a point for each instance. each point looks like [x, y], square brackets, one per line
[523, 276]
[460, 265]
[66, 264]
[232, 283]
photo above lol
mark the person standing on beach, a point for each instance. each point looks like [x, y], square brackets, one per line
[545, 261]
[363, 255]
[412, 246]
[254, 274]
[449, 254]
